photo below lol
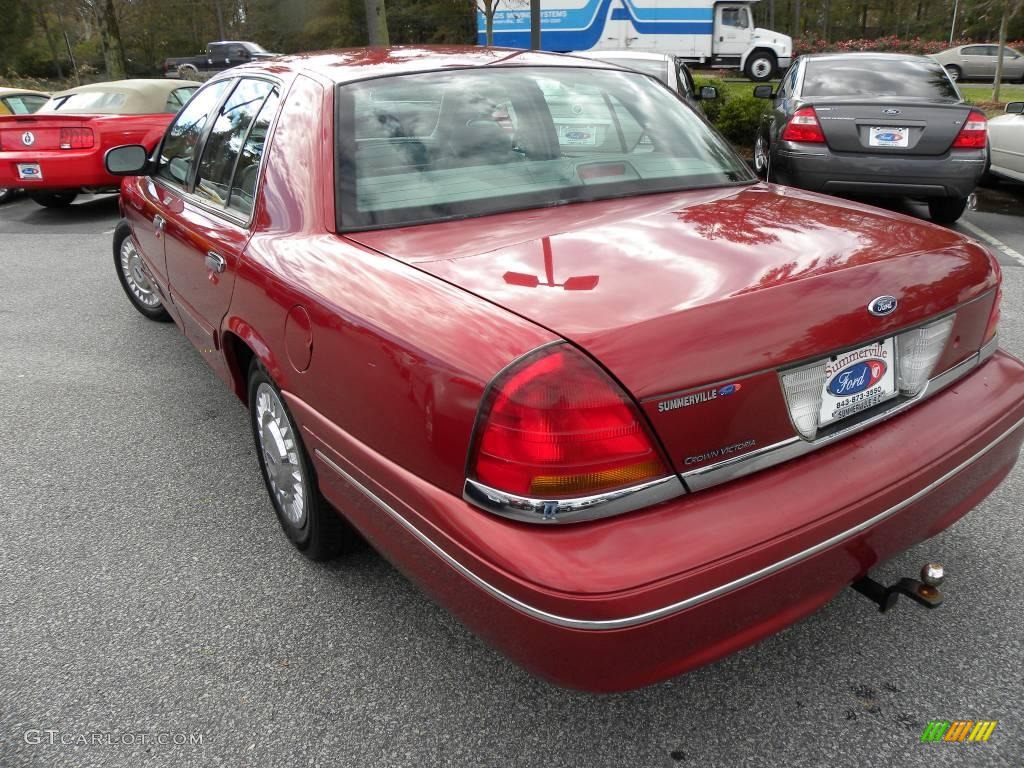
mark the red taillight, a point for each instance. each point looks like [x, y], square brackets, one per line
[804, 126]
[974, 134]
[993, 318]
[75, 138]
[556, 426]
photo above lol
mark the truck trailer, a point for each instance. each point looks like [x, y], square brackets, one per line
[715, 34]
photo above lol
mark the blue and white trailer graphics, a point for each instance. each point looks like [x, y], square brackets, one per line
[704, 31]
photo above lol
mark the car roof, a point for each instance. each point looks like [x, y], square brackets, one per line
[142, 96]
[620, 53]
[349, 65]
[21, 92]
[868, 55]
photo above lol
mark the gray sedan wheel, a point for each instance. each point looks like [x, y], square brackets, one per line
[762, 158]
[954, 72]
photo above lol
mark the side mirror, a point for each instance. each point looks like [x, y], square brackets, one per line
[1015, 107]
[708, 92]
[129, 160]
[763, 92]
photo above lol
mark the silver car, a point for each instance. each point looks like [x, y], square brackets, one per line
[1006, 142]
[978, 62]
[873, 124]
[671, 70]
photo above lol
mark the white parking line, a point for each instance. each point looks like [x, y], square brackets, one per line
[979, 232]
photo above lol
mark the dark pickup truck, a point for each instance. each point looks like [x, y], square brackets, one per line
[216, 58]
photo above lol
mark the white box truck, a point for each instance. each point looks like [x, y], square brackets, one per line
[717, 34]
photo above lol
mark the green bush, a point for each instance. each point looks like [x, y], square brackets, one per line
[739, 118]
[735, 113]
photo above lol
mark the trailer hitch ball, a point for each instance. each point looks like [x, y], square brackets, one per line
[933, 574]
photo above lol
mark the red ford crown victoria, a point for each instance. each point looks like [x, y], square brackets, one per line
[535, 331]
[58, 151]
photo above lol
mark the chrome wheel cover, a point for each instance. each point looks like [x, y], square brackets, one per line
[761, 68]
[760, 155]
[280, 455]
[135, 275]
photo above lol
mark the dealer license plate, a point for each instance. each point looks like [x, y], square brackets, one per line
[857, 380]
[888, 137]
[30, 172]
[577, 135]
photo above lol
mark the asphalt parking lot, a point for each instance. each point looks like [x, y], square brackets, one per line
[147, 589]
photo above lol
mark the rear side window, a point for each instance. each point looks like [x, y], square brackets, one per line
[177, 99]
[910, 78]
[228, 135]
[243, 183]
[177, 155]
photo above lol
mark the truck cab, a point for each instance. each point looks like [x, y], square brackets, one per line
[717, 34]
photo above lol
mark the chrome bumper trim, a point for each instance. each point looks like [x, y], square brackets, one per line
[667, 610]
[572, 510]
[770, 455]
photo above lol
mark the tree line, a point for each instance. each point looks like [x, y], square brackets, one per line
[67, 38]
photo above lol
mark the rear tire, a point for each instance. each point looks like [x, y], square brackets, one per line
[7, 193]
[306, 518]
[955, 73]
[946, 210]
[54, 199]
[188, 72]
[760, 66]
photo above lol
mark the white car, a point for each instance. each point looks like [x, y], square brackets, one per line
[1006, 142]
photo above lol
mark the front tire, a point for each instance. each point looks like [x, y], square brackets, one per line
[946, 210]
[955, 73]
[133, 277]
[55, 199]
[307, 519]
[760, 66]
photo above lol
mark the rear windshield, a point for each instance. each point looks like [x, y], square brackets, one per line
[442, 145]
[878, 77]
[89, 103]
[24, 104]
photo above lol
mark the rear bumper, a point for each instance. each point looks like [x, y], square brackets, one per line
[627, 601]
[61, 169]
[817, 168]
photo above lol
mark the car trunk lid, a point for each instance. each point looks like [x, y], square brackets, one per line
[890, 126]
[694, 300]
[34, 133]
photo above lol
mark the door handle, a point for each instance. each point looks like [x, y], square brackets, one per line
[215, 262]
[159, 222]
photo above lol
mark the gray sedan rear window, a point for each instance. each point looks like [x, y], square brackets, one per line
[878, 77]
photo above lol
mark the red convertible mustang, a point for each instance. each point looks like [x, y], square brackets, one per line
[536, 332]
[58, 152]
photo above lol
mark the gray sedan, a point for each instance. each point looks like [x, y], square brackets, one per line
[873, 124]
[967, 62]
[671, 70]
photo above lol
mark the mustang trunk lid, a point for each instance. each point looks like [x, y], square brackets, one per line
[694, 300]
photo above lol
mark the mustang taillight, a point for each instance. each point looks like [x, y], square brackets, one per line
[555, 426]
[804, 126]
[974, 133]
[76, 138]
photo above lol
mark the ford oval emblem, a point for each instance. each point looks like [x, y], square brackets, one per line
[857, 377]
[28, 138]
[890, 111]
[883, 305]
